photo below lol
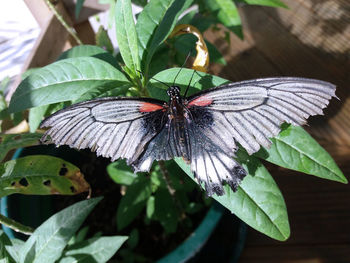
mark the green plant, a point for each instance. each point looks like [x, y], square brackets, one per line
[54, 240]
[87, 72]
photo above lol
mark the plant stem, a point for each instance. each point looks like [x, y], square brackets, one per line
[165, 174]
[16, 226]
[171, 190]
[70, 29]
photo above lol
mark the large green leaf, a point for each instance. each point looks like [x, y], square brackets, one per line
[41, 175]
[65, 80]
[295, 149]
[226, 12]
[258, 200]
[90, 51]
[273, 3]
[14, 248]
[126, 35]
[199, 81]
[148, 22]
[155, 23]
[13, 141]
[97, 250]
[133, 201]
[47, 242]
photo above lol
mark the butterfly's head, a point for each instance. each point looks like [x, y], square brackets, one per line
[174, 92]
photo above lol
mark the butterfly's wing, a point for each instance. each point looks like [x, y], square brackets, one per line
[211, 155]
[115, 127]
[249, 113]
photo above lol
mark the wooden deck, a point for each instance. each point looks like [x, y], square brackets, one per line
[311, 39]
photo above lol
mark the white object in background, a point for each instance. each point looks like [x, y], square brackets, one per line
[18, 32]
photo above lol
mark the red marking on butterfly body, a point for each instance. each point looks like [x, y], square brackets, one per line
[201, 101]
[149, 107]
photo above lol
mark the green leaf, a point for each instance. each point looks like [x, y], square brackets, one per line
[150, 207]
[41, 175]
[14, 141]
[133, 238]
[64, 80]
[187, 43]
[47, 242]
[258, 201]
[273, 3]
[126, 35]
[140, 2]
[165, 210]
[79, 237]
[226, 13]
[90, 51]
[78, 7]
[160, 60]
[36, 116]
[295, 149]
[103, 40]
[121, 173]
[97, 250]
[100, 92]
[5, 242]
[14, 248]
[154, 25]
[133, 201]
[199, 82]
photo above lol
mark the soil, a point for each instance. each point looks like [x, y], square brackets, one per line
[153, 243]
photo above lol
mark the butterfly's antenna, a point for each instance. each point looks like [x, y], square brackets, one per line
[194, 71]
[188, 55]
[155, 79]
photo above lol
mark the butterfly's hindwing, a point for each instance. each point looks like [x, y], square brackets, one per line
[212, 152]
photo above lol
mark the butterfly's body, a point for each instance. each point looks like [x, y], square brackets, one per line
[179, 117]
[205, 129]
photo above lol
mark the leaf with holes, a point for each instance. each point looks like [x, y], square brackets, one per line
[41, 175]
[13, 141]
[65, 80]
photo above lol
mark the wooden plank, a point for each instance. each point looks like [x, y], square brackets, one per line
[40, 11]
[297, 254]
[292, 57]
[90, 8]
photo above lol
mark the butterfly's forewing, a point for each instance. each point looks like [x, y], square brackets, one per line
[249, 112]
[113, 127]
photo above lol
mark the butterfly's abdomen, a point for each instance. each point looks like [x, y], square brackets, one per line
[179, 118]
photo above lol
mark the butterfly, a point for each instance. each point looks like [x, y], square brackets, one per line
[205, 129]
